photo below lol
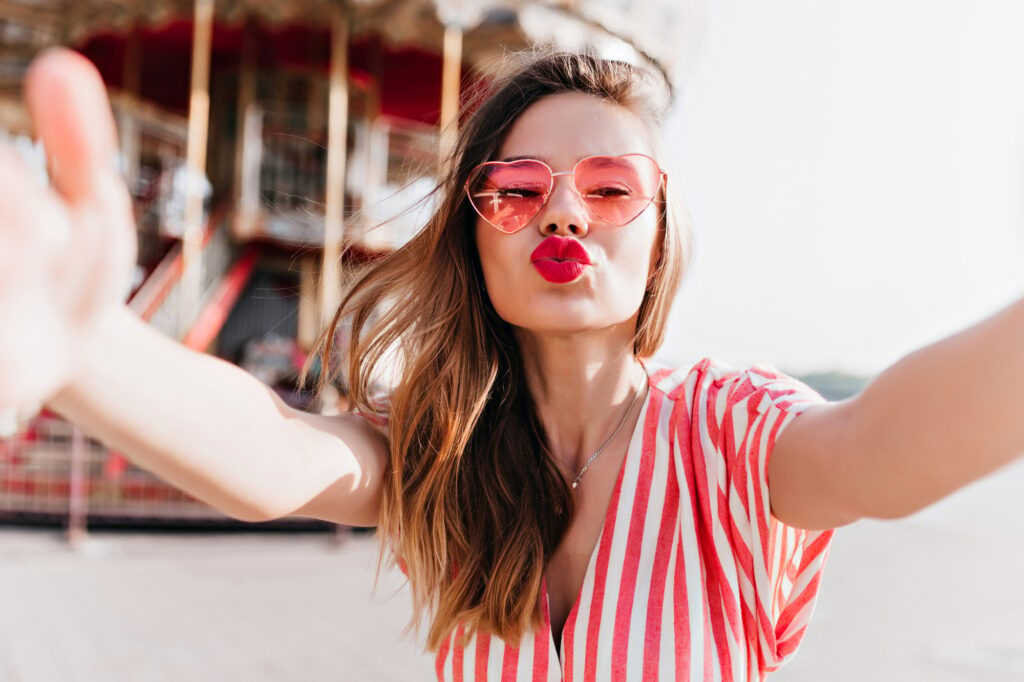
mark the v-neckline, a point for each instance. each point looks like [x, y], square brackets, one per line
[591, 561]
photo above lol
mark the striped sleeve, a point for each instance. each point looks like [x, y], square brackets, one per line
[779, 567]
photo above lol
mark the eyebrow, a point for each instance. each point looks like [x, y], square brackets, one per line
[509, 159]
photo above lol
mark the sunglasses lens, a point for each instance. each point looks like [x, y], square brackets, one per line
[509, 195]
[616, 189]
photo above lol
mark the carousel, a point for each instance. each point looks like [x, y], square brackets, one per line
[272, 148]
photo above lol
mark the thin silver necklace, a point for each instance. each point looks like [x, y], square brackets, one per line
[590, 460]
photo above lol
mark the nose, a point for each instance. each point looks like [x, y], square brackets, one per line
[564, 213]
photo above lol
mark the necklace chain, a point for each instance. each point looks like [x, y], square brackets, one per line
[590, 460]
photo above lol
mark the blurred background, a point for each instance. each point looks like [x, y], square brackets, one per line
[855, 175]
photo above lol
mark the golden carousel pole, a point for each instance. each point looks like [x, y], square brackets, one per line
[337, 134]
[451, 77]
[334, 209]
[195, 161]
[132, 87]
[244, 210]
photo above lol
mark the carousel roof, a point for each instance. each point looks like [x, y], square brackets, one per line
[660, 31]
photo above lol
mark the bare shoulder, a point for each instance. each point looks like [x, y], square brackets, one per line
[348, 455]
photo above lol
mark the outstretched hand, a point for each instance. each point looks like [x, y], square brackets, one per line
[66, 251]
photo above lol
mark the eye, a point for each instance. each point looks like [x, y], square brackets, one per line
[608, 192]
[518, 192]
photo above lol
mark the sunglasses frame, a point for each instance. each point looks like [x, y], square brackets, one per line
[662, 182]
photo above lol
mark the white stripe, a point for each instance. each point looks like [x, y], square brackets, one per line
[649, 546]
[758, 595]
[579, 630]
[620, 541]
[717, 476]
[524, 661]
[495, 656]
[759, 478]
[469, 659]
[554, 663]
[688, 542]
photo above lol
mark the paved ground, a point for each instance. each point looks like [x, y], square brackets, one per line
[939, 597]
[130, 606]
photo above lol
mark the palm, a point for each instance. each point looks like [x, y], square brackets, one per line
[66, 252]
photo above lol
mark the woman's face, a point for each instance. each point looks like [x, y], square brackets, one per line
[560, 130]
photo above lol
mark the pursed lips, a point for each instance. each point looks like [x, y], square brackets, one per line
[561, 249]
[560, 260]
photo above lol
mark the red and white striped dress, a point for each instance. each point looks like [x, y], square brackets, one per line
[692, 578]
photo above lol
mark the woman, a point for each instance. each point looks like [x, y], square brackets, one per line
[563, 508]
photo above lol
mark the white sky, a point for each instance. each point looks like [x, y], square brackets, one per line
[856, 175]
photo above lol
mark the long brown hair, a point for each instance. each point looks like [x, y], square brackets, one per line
[473, 503]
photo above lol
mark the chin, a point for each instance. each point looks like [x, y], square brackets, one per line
[567, 311]
[567, 320]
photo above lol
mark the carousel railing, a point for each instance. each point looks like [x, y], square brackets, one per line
[401, 172]
[391, 165]
[152, 157]
[53, 471]
[283, 177]
[159, 299]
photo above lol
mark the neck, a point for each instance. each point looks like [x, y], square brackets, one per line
[582, 385]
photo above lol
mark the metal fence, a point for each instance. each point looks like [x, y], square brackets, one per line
[53, 469]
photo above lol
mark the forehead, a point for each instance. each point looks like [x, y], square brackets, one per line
[561, 129]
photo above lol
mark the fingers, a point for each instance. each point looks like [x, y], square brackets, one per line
[70, 111]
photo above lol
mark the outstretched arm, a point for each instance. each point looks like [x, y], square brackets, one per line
[215, 431]
[940, 418]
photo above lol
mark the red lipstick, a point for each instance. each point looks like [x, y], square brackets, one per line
[560, 259]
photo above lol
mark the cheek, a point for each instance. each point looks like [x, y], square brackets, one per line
[488, 250]
[497, 260]
[637, 255]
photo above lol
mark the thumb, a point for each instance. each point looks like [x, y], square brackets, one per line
[70, 111]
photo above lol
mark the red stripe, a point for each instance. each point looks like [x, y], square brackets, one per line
[662, 552]
[761, 520]
[600, 576]
[716, 591]
[568, 642]
[631, 560]
[811, 555]
[542, 641]
[656, 378]
[739, 474]
[737, 461]
[680, 603]
[787, 647]
[739, 464]
[510, 663]
[708, 656]
[442, 656]
[763, 504]
[457, 655]
[483, 652]
[765, 622]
